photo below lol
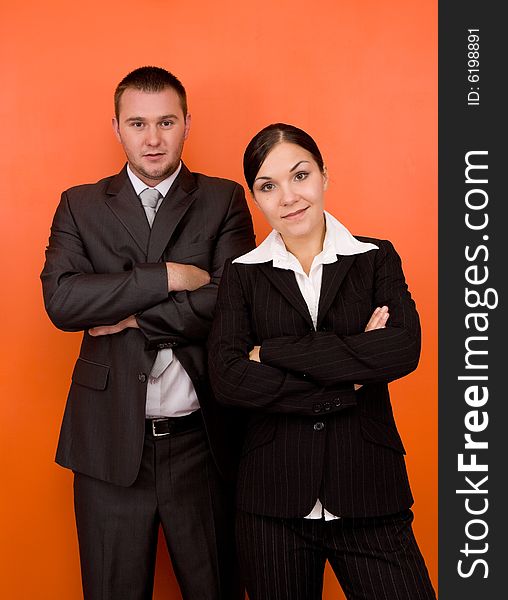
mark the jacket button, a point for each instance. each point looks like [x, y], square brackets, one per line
[142, 377]
[316, 408]
[319, 426]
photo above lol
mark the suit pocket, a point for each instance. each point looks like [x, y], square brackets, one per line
[384, 434]
[90, 374]
[187, 251]
[259, 434]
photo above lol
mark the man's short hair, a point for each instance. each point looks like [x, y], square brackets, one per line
[150, 79]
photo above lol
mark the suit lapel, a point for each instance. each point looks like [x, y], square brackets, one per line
[122, 200]
[333, 276]
[174, 206]
[284, 280]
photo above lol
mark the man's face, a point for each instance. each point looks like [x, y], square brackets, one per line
[152, 128]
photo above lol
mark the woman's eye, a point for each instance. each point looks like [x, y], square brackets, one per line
[267, 187]
[301, 176]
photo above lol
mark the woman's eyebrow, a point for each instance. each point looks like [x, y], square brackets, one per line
[297, 165]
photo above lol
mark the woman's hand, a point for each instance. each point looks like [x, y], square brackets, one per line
[376, 321]
[254, 353]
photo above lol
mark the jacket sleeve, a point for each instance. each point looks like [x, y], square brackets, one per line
[238, 381]
[76, 297]
[187, 316]
[375, 356]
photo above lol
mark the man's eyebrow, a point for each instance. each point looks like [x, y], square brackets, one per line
[162, 118]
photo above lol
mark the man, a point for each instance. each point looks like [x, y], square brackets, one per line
[134, 260]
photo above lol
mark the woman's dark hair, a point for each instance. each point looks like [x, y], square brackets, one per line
[264, 141]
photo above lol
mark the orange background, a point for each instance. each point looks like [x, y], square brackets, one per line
[360, 76]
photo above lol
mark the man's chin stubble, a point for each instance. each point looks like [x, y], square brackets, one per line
[158, 175]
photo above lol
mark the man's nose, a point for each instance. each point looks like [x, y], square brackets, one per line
[153, 136]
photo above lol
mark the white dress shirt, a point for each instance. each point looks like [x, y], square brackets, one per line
[338, 240]
[171, 393]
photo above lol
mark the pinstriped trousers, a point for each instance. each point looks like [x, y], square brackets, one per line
[375, 558]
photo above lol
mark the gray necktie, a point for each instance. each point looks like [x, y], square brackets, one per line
[149, 200]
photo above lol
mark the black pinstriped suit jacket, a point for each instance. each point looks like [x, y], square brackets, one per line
[309, 433]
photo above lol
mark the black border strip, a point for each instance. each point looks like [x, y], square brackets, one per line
[473, 270]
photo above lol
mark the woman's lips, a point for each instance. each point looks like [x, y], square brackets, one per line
[296, 214]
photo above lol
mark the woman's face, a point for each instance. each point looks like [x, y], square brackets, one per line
[289, 190]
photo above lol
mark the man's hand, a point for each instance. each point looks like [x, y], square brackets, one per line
[185, 277]
[110, 329]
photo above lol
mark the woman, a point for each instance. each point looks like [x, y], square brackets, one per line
[309, 329]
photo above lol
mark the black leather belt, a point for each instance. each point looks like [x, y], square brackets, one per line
[164, 426]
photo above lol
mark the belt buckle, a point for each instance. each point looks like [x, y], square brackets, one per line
[154, 433]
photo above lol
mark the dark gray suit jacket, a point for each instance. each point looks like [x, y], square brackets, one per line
[104, 263]
[309, 433]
